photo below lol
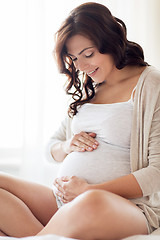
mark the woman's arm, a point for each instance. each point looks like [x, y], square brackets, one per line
[58, 151]
[54, 149]
[70, 187]
[78, 143]
[126, 186]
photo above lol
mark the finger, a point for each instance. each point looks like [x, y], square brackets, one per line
[65, 178]
[91, 134]
[58, 184]
[89, 138]
[59, 188]
[76, 148]
[81, 142]
[85, 143]
[64, 201]
[61, 196]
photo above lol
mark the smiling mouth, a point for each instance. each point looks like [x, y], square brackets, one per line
[92, 72]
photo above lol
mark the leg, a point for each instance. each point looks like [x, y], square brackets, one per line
[17, 219]
[97, 214]
[24, 207]
[2, 234]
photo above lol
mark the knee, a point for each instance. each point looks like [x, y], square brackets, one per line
[92, 203]
[91, 209]
[3, 196]
[93, 198]
[6, 181]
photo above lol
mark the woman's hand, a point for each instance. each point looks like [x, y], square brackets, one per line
[81, 142]
[69, 188]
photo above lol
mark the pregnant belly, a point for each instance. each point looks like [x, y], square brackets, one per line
[105, 163]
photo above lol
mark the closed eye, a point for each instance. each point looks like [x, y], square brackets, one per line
[88, 56]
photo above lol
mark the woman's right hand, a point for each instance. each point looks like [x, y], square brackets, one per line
[81, 142]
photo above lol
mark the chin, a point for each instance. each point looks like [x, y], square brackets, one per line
[98, 80]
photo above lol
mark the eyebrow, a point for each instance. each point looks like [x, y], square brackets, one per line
[81, 51]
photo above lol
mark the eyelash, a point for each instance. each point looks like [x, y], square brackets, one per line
[73, 60]
[90, 55]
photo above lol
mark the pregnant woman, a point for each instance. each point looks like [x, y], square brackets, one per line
[108, 183]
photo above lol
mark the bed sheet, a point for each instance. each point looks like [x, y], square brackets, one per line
[55, 237]
[154, 236]
[45, 237]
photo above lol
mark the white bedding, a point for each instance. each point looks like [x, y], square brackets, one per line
[153, 236]
[46, 237]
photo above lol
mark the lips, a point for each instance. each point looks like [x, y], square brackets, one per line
[91, 73]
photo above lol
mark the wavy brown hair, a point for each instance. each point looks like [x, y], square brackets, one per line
[108, 34]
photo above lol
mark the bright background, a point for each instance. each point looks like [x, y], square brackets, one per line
[32, 99]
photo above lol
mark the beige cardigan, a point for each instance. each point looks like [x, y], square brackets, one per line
[145, 143]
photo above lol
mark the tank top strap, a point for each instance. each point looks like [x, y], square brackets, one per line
[132, 94]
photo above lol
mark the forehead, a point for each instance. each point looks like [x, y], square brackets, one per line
[77, 43]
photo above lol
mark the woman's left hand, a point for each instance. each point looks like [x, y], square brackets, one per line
[69, 188]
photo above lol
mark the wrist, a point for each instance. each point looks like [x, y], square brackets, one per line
[65, 147]
[88, 187]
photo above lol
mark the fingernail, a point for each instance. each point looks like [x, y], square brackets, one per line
[89, 148]
[94, 146]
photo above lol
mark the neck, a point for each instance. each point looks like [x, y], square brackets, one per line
[118, 76]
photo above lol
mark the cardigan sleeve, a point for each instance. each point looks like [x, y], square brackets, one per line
[62, 134]
[148, 177]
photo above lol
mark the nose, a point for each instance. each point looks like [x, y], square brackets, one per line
[81, 65]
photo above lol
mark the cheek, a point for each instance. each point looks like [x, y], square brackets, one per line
[102, 61]
[97, 62]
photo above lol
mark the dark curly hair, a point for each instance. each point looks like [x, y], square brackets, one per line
[108, 33]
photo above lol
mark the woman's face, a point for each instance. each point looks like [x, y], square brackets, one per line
[88, 59]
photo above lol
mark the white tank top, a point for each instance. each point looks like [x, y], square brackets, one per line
[112, 125]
